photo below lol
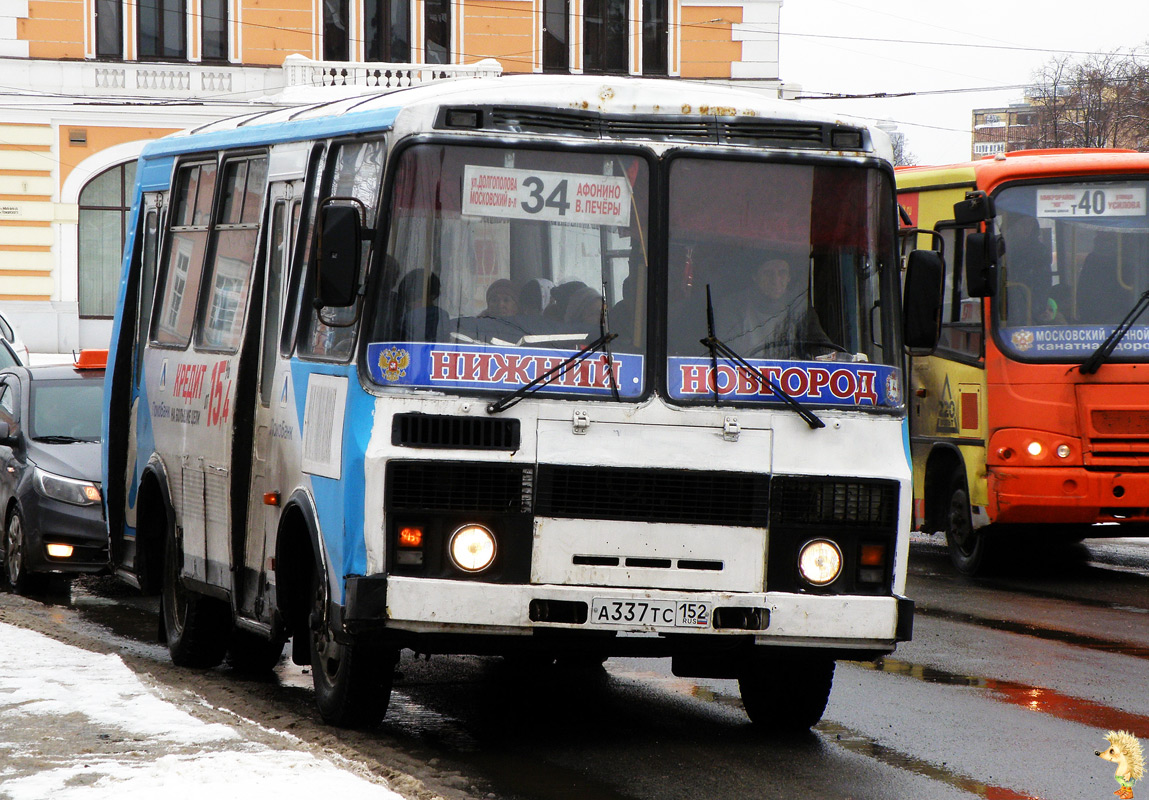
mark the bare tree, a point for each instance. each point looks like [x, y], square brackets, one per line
[1101, 101]
[902, 155]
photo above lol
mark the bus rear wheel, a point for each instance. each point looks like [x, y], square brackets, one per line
[352, 679]
[197, 628]
[967, 546]
[786, 693]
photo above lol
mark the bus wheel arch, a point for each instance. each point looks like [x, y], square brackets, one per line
[943, 463]
[352, 675]
[154, 513]
[297, 556]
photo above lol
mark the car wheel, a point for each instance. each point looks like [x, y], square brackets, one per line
[786, 693]
[352, 679]
[15, 562]
[197, 627]
[967, 546]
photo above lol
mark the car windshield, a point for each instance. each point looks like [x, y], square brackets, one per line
[789, 260]
[1076, 260]
[501, 263]
[69, 409]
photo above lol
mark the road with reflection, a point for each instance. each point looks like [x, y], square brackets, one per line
[1006, 691]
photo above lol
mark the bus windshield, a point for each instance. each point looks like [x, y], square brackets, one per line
[501, 263]
[791, 257]
[1076, 260]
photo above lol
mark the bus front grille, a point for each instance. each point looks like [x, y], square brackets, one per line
[799, 501]
[459, 486]
[653, 495]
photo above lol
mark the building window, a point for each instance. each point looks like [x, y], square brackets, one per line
[654, 37]
[104, 204]
[214, 30]
[109, 29]
[387, 30]
[605, 36]
[556, 37]
[336, 41]
[163, 29]
[437, 24]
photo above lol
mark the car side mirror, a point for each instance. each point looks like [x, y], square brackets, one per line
[6, 437]
[922, 300]
[982, 250]
[340, 235]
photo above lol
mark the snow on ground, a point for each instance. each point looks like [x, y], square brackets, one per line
[76, 725]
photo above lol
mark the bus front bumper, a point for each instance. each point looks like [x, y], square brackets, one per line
[1066, 496]
[429, 606]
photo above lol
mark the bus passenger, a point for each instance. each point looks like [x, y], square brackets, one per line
[1028, 279]
[535, 297]
[584, 308]
[421, 318]
[502, 300]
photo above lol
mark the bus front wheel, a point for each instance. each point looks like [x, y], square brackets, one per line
[786, 693]
[197, 627]
[967, 546]
[352, 679]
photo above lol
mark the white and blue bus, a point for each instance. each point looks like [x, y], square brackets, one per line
[557, 368]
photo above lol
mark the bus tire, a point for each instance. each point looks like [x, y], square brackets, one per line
[352, 679]
[786, 693]
[196, 627]
[967, 546]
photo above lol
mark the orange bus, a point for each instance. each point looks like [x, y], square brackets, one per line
[1033, 411]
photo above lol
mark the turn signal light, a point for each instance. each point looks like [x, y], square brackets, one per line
[411, 537]
[873, 555]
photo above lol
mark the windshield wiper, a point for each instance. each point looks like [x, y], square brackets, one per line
[555, 372]
[58, 439]
[717, 347]
[1102, 353]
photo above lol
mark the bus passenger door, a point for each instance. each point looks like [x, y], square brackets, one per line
[270, 434]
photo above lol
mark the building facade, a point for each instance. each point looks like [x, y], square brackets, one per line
[1001, 130]
[87, 83]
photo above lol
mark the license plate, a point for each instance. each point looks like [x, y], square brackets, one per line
[653, 613]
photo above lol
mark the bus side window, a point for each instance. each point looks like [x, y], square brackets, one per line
[232, 246]
[184, 254]
[354, 169]
[277, 250]
[151, 232]
[962, 325]
[299, 251]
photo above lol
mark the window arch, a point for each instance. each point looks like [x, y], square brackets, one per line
[104, 204]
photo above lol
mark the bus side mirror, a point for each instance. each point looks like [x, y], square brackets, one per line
[982, 251]
[922, 300]
[337, 261]
[977, 207]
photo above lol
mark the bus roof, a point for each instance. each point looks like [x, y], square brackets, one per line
[988, 173]
[607, 95]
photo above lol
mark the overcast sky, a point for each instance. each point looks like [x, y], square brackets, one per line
[916, 56]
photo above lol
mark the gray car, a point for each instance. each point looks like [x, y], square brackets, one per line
[50, 473]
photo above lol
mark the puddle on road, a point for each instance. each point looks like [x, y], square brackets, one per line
[862, 745]
[1029, 629]
[1031, 698]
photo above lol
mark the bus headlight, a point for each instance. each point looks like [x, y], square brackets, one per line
[820, 562]
[472, 548]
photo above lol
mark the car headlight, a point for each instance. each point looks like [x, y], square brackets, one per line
[820, 562]
[66, 490]
[472, 548]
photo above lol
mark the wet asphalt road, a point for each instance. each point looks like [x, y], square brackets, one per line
[1006, 691]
